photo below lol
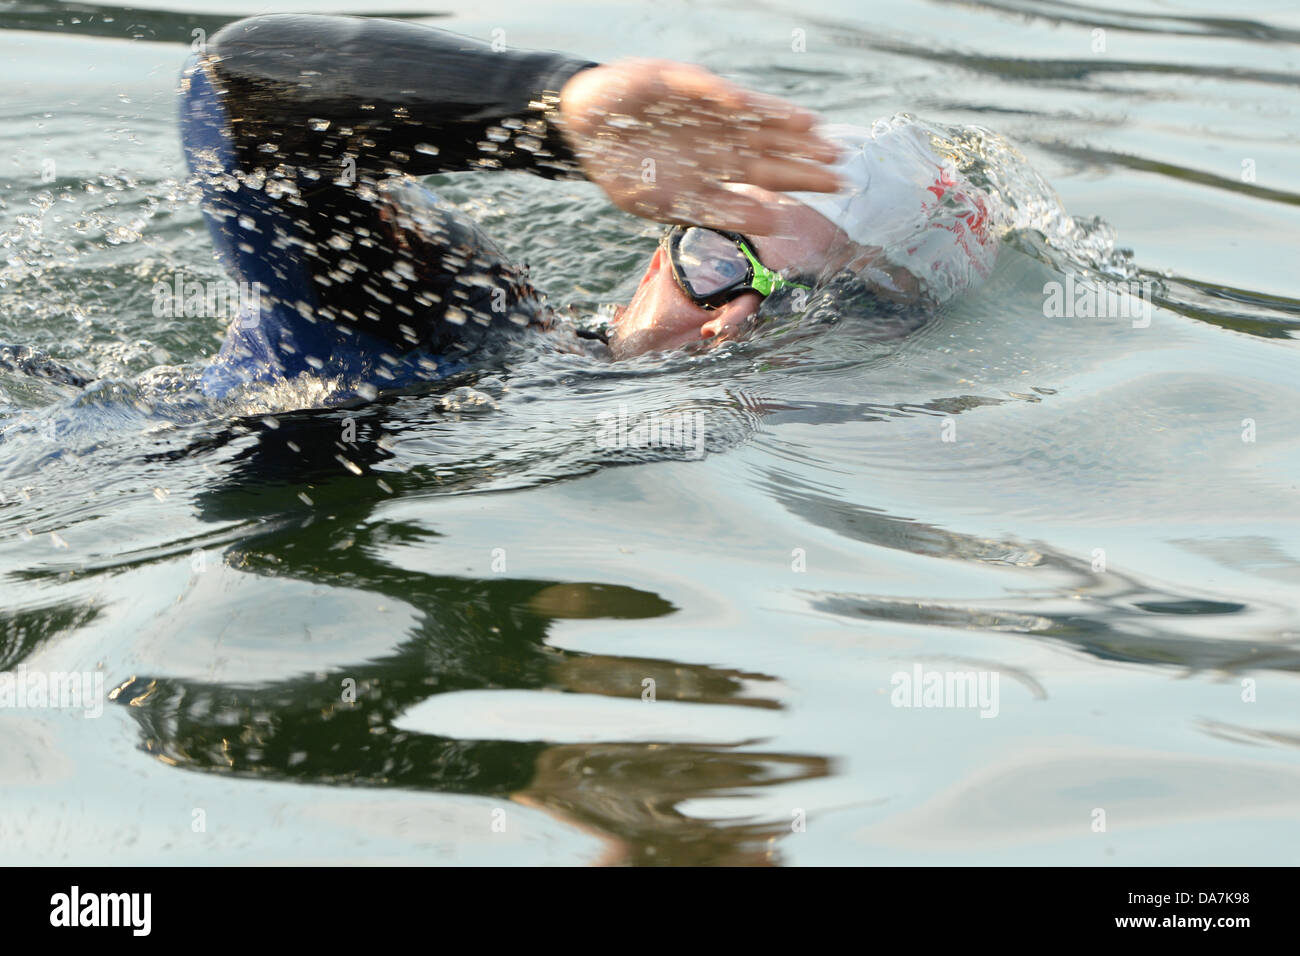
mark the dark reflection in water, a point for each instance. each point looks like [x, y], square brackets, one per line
[631, 793]
[1139, 21]
[22, 632]
[490, 633]
[1119, 618]
[472, 633]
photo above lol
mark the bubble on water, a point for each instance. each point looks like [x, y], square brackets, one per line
[119, 235]
[466, 399]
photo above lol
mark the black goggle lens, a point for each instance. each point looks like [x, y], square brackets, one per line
[709, 262]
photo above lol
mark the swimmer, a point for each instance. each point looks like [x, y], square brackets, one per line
[308, 135]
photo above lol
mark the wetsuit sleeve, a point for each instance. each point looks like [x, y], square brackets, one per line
[388, 95]
[305, 133]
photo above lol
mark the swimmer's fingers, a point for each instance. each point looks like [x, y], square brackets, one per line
[787, 175]
[776, 159]
[778, 114]
[658, 89]
[787, 144]
[781, 163]
[743, 107]
[786, 154]
[723, 209]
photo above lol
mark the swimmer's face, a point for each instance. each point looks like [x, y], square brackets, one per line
[661, 317]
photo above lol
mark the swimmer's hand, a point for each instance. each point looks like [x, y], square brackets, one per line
[662, 138]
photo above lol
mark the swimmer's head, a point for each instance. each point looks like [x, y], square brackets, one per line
[905, 210]
[661, 316]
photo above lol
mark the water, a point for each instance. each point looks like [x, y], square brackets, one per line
[495, 588]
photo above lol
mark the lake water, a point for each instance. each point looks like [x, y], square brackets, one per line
[435, 642]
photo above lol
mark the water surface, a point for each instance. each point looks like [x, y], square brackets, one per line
[497, 587]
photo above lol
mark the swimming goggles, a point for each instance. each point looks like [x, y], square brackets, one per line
[714, 267]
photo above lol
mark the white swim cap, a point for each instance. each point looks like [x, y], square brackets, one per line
[904, 196]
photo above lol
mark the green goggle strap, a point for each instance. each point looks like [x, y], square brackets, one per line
[766, 281]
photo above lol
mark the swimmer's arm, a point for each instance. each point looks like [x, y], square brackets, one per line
[663, 140]
[323, 92]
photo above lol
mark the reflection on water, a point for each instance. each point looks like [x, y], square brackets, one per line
[341, 726]
[465, 600]
[1111, 616]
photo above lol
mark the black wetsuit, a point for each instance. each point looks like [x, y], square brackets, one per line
[306, 133]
